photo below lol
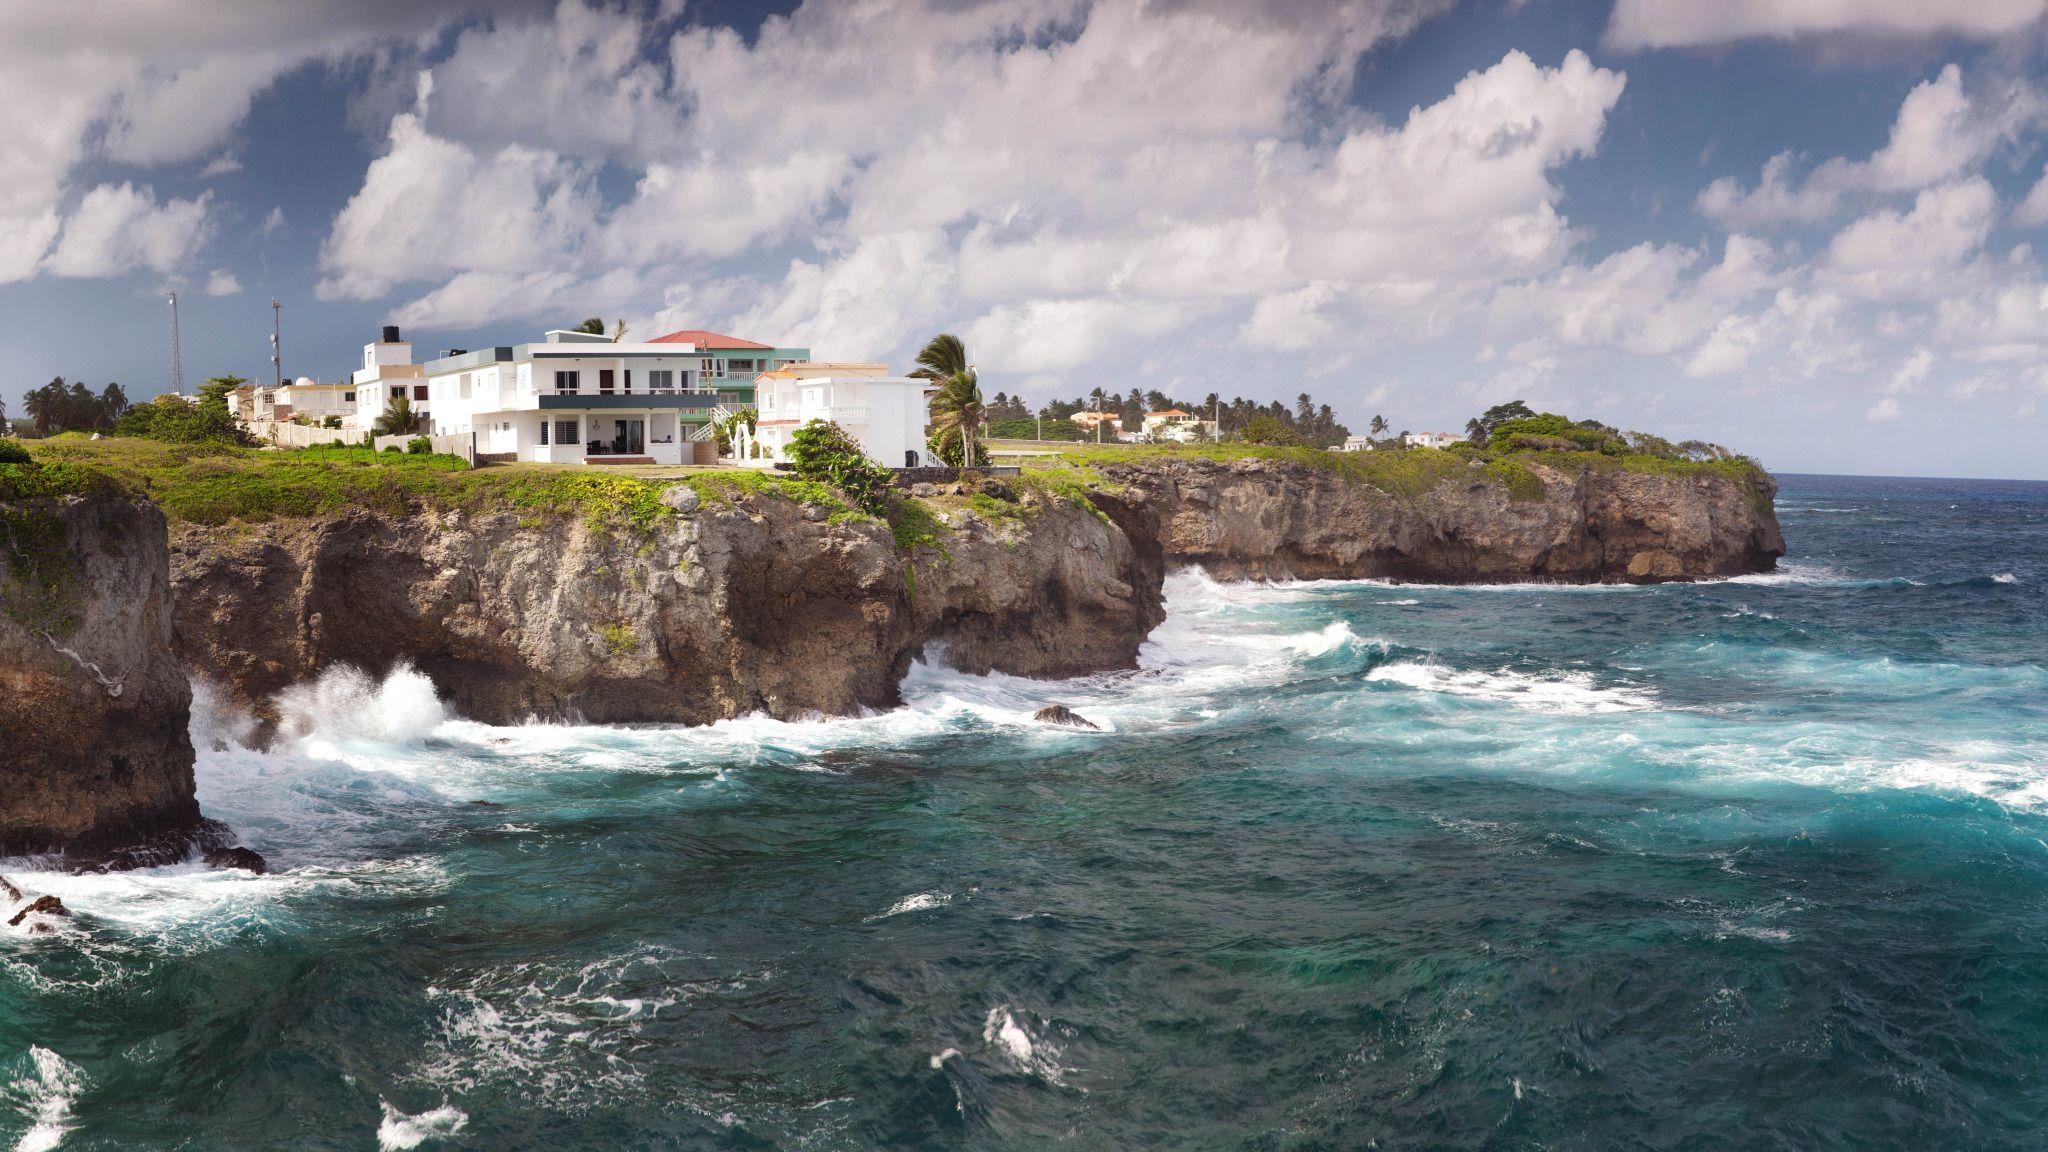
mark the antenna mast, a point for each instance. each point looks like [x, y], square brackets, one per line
[276, 349]
[177, 359]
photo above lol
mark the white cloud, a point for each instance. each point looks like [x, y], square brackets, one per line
[1940, 133]
[118, 228]
[1884, 411]
[222, 283]
[2033, 211]
[1690, 23]
[1894, 254]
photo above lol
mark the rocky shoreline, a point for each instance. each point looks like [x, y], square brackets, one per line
[730, 602]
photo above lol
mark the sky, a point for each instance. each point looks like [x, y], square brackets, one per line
[1806, 230]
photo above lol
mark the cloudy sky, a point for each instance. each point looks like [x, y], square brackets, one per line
[1809, 229]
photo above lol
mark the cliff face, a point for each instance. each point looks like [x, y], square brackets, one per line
[1278, 519]
[93, 702]
[723, 609]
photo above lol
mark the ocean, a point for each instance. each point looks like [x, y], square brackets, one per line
[1756, 863]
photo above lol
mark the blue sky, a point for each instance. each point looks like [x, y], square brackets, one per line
[1807, 231]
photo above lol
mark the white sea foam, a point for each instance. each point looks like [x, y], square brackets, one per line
[2004, 578]
[1399, 603]
[1563, 693]
[44, 1093]
[399, 1131]
[346, 706]
[1013, 1043]
[921, 902]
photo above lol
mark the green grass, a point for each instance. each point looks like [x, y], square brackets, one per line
[620, 638]
[39, 587]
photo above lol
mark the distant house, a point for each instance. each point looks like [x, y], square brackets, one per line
[1432, 439]
[1354, 444]
[1180, 427]
[581, 398]
[1088, 420]
[887, 414]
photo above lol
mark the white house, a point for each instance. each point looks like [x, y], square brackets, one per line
[387, 373]
[1354, 444]
[1088, 419]
[1431, 439]
[313, 400]
[886, 414]
[1177, 426]
[581, 398]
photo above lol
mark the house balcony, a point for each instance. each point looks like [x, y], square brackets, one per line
[590, 398]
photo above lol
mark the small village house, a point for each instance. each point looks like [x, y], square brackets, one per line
[387, 374]
[1175, 426]
[1432, 439]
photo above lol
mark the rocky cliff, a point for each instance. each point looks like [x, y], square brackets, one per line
[1276, 519]
[728, 606]
[93, 702]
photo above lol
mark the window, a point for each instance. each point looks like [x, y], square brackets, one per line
[419, 393]
[462, 386]
[348, 397]
[526, 377]
[740, 365]
[568, 382]
[565, 432]
[661, 380]
[626, 379]
[398, 391]
[543, 433]
[606, 379]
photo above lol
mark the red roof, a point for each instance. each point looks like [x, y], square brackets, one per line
[703, 339]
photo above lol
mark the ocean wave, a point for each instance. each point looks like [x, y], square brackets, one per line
[43, 1093]
[1560, 693]
[918, 902]
[398, 1131]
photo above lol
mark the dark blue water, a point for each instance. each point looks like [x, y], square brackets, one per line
[1752, 864]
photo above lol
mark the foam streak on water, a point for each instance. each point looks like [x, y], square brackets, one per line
[1344, 863]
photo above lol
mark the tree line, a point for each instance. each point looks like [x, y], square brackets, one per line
[69, 406]
[1270, 422]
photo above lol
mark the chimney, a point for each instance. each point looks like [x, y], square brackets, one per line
[391, 334]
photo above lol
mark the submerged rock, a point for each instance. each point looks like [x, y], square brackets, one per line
[1062, 715]
[247, 859]
[46, 905]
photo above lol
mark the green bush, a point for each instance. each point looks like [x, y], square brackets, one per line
[393, 449]
[822, 452]
[12, 453]
[419, 446]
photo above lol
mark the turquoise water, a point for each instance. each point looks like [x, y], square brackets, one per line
[1760, 863]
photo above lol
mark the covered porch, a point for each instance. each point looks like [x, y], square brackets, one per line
[652, 436]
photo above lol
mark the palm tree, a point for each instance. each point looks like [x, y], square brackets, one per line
[1379, 425]
[397, 419]
[957, 416]
[1475, 431]
[942, 357]
[957, 410]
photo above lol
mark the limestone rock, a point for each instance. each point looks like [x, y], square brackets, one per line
[1061, 715]
[44, 905]
[682, 498]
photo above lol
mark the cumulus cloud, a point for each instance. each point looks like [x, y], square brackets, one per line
[1688, 23]
[1062, 180]
[1941, 132]
[222, 283]
[1889, 253]
[118, 228]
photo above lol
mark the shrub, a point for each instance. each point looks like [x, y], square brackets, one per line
[331, 422]
[822, 452]
[12, 453]
[1264, 429]
[393, 449]
[419, 446]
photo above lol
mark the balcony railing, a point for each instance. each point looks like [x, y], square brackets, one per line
[842, 414]
[636, 390]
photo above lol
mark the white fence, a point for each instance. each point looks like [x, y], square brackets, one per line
[306, 436]
[461, 444]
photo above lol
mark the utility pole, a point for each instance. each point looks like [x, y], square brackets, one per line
[177, 358]
[276, 348]
[1098, 417]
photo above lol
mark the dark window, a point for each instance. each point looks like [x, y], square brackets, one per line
[543, 433]
[419, 393]
[628, 381]
[397, 391]
[565, 431]
[605, 380]
[568, 382]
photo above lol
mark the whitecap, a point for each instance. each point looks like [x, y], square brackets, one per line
[44, 1096]
[2004, 578]
[1562, 693]
[920, 902]
[399, 1131]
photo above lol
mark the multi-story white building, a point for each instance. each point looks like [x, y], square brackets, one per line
[387, 374]
[1431, 439]
[581, 398]
[887, 414]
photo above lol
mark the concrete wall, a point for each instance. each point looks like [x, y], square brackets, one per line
[300, 436]
[461, 444]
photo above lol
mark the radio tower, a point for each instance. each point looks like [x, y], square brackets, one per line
[177, 360]
[276, 349]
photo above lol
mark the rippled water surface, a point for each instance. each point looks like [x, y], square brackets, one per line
[1760, 863]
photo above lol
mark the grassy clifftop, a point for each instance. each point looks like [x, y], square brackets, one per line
[1402, 471]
